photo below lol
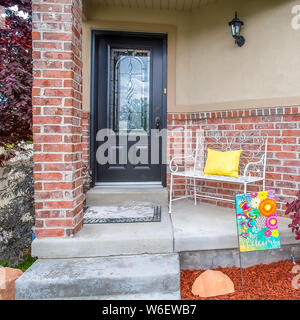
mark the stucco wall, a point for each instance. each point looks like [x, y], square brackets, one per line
[207, 71]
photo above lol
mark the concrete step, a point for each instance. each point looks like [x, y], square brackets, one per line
[138, 277]
[110, 239]
[138, 296]
[105, 196]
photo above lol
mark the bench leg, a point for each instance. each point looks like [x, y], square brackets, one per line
[171, 192]
[245, 187]
[195, 197]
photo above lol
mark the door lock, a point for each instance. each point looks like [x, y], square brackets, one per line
[157, 122]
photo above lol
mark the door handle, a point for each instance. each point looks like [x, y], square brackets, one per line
[157, 122]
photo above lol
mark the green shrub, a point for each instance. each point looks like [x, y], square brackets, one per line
[24, 265]
[17, 208]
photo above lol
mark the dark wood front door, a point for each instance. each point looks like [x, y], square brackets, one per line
[130, 102]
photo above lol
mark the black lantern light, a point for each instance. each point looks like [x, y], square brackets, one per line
[236, 25]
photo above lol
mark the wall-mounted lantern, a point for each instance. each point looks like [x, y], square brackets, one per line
[236, 25]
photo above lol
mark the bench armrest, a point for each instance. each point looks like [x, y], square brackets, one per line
[174, 166]
[261, 162]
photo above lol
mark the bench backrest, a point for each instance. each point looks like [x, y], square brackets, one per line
[254, 148]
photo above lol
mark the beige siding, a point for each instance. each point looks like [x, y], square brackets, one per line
[206, 70]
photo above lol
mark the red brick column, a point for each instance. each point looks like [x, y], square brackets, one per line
[57, 96]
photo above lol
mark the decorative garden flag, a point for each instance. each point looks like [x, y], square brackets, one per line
[257, 221]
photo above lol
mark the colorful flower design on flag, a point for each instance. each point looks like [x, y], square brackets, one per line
[267, 207]
[262, 195]
[245, 207]
[275, 233]
[272, 222]
[268, 233]
[244, 233]
[257, 221]
[255, 202]
[260, 222]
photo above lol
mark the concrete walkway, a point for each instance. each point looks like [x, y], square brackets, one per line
[142, 260]
[188, 229]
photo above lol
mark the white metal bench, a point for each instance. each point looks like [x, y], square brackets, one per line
[252, 164]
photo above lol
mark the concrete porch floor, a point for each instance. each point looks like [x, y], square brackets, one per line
[196, 232]
[207, 227]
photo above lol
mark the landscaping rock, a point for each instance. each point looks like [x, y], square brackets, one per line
[8, 276]
[272, 282]
[212, 283]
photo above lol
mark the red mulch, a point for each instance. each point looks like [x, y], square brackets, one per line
[261, 282]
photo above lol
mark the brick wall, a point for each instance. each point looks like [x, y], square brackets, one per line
[282, 125]
[57, 123]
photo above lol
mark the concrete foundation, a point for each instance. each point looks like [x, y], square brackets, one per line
[211, 259]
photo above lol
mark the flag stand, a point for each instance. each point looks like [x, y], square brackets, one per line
[240, 254]
[267, 227]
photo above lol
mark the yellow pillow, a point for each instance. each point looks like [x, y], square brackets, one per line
[223, 163]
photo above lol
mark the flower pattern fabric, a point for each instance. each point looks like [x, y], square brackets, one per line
[275, 233]
[262, 195]
[267, 207]
[272, 222]
[255, 202]
[257, 221]
[268, 233]
[260, 222]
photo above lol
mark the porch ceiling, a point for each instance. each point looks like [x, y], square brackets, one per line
[179, 5]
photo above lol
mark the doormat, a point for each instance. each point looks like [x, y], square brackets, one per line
[122, 214]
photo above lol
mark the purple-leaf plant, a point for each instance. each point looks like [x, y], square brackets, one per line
[15, 73]
[293, 208]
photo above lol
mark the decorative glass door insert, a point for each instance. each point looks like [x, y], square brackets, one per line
[129, 90]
